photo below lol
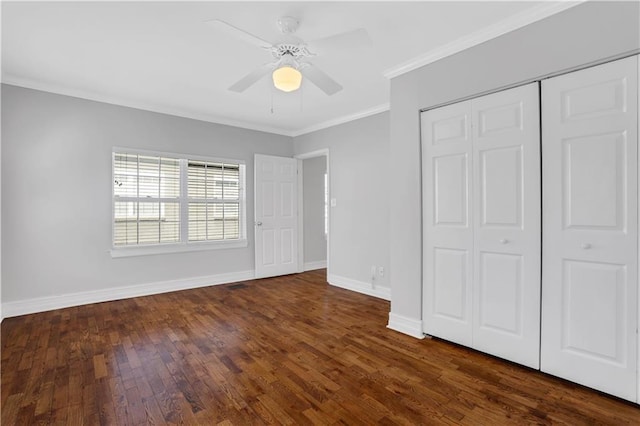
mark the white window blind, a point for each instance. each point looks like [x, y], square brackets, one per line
[214, 201]
[152, 205]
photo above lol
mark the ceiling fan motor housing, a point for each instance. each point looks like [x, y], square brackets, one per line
[296, 51]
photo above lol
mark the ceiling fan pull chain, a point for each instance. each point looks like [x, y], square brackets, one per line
[301, 96]
[271, 91]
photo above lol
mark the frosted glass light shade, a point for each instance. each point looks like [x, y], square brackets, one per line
[287, 79]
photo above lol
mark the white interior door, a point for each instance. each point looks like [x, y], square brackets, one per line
[506, 285]
[276, 217]
[447, 222]
[590, 239]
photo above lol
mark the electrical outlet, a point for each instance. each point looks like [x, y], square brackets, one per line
[381, 271]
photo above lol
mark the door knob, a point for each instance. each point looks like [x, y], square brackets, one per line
[258, 223]
[586, 246]
[504, 241]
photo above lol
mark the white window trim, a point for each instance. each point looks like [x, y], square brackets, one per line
[184, 245]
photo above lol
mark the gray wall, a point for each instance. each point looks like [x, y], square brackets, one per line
[56, 192]
[359, 176]
[581, 35]
[315, 242]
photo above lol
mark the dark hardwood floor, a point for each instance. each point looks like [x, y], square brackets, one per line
[286, 350]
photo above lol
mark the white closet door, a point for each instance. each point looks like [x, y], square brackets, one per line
[447, 233]
[506, 163]
[590, 233]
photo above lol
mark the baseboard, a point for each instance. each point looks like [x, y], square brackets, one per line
[359, 286]
[406, 325]
[42, 304]
[318, 264]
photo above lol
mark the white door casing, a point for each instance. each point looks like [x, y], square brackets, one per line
[481, 223]
[447, 233]
[276, 217]
[590, 227]
[506, 194]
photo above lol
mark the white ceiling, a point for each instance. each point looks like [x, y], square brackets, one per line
[161, 56]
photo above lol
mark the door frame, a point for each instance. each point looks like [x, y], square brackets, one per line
[300, 157]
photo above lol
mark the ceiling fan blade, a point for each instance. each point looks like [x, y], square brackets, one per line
[245, 82]
[229, 29]
[320, 79]
[348, 40]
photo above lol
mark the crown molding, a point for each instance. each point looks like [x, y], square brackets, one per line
[493, 31]
[163, 109]
[341, 120]
[146, 106]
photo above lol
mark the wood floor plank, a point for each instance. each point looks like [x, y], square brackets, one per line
[283, 350]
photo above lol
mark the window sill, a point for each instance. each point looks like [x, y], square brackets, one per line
[176, 248]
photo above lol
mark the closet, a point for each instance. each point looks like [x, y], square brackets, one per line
[530, 236]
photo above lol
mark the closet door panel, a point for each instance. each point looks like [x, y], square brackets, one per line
[447, 233]
[506, 292]
[500, 293]
[450, 190]
[589, 287]
[590, 240]
[450, 284]
[501, 189]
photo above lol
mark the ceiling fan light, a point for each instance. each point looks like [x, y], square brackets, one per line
[287, 79]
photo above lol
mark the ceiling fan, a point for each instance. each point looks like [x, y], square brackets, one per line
[291, 56]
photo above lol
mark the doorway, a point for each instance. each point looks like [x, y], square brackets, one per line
[314, 210]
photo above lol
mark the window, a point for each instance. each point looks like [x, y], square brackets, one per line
[146, 203]
[214, 201]
[166, 203]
